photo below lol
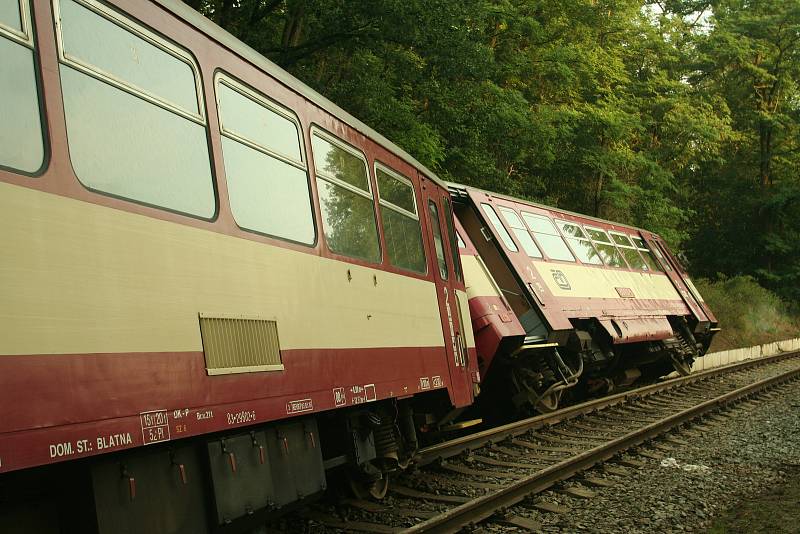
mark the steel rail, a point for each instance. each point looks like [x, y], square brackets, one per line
[451, 448]
[485, 506]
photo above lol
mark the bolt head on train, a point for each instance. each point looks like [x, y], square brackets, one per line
[562, 302]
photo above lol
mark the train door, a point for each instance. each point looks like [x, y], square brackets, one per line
[449, 279]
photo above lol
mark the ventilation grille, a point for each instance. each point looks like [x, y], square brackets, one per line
[238, 344]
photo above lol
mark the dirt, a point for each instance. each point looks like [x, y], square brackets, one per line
[775, 512]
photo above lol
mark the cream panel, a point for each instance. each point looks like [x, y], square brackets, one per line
[476, 278]
[81, 278]
[466, 320]
[601, 283]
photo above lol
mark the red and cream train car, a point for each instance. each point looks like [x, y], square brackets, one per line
[215, 284]
[562, 301]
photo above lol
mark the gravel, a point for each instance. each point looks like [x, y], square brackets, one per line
[753, 451]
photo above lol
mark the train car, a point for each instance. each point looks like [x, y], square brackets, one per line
[566, 303]
[216, 285]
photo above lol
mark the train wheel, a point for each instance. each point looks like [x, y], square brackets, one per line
[549, 402]
[682, 365]
[363, 488]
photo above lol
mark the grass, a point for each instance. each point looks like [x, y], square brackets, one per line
[747, 313]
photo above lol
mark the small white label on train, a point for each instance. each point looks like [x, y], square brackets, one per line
[298, 406]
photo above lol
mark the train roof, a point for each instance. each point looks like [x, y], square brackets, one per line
[212, 30]
[459, 190]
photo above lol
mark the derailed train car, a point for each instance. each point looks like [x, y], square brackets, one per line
[562, 303]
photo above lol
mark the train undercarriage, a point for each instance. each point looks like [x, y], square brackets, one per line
[542, 377]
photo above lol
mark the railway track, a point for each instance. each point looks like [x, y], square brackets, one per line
[483, 475]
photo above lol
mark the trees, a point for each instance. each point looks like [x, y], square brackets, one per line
[750, 198]
[677, 115]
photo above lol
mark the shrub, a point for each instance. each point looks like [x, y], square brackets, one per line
[747, 313]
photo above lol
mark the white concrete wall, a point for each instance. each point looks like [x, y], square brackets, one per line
[725, 357]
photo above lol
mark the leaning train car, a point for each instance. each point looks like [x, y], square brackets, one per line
[563, 303]
[216, 285]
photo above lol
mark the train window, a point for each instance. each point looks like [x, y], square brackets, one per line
[572, 230]
[345, 196]
[519, 230]
[452, 234]
[582, 247]
[629, 251]
[548, 237]
[608, 252]
[97, 39]
[400, 220]
[661, 259]
[253, 119]
[461, 243]
[621, 239]
[11, 16]
[499, 228]
[21, 142]
[651, 261]
[267, 181]
[433, 216]
[340, 164]
[134, 123]
[395, 190]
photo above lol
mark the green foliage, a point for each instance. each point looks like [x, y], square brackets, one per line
[681, 116]
[750, 315]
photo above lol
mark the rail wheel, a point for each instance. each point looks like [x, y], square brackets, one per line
[548, 402]
[682, 365]
[363, 488]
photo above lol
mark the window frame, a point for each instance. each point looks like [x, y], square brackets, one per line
[557, 234]
[224, 78]
[246, 91]
[27, 40]
[632, 246]
[434, 217]
[378, 165]
[609, 242]
[505, 209]
[485, 205]
[354, 151]
[451, 238]
[652, 255]
[25, 36]
[128, 23]
[559, 222]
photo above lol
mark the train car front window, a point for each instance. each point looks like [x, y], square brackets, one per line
[348, 213]
[134, 122]
[267, 179]
[400, 221]
[548, 237]
[21, 141]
